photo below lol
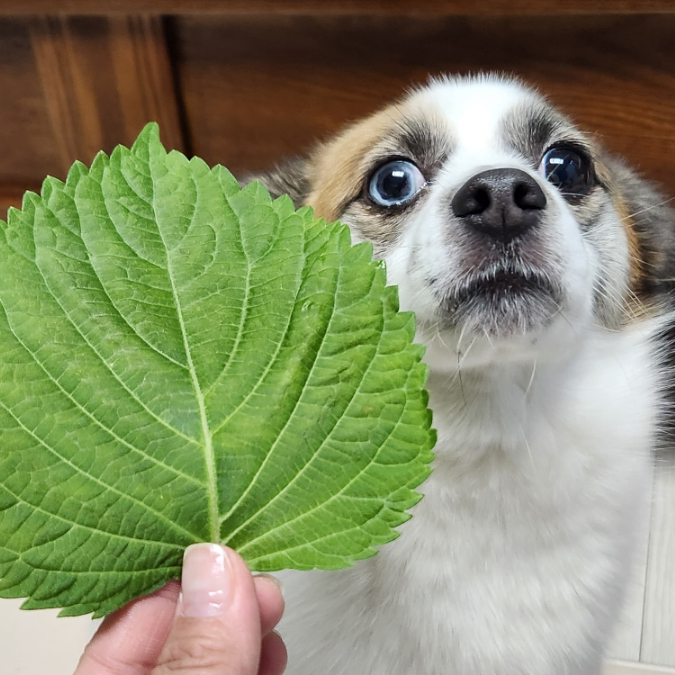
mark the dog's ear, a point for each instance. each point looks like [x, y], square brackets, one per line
[288, 178]
[653, 220]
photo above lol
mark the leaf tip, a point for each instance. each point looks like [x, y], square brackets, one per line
[149, 134]
[49, 184]
[306, 212]
[12, 212]
[148, 142]
[255, 190]
[98, 165]
[227, 180]
[29, 201]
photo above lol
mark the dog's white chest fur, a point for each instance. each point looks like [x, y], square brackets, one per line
[514, 561]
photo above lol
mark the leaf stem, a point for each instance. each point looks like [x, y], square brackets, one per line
[209, 457]
[211, 487]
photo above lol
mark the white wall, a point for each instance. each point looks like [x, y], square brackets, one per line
[38, 643]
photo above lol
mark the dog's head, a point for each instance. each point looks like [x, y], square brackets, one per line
[504, 226]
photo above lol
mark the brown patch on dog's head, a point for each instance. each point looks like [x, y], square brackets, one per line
[339, 166]
[649, 224]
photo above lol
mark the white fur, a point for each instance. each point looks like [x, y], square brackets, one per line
[515, 560]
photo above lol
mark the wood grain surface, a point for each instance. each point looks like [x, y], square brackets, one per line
[103, 79]
[334, 7]
[28, 149]
[258, 88]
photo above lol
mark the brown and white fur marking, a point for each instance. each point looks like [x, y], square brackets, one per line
[545, 381]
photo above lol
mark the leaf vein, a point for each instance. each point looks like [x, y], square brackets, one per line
[279, 437]
[109, 368]
[289, 419]
[96, 421]
[211, 475]
[98, 481]
[270, 364]
[304, 514]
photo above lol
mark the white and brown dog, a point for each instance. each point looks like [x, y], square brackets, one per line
[537, 267]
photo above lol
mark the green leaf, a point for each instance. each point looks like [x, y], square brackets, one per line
[185, 361]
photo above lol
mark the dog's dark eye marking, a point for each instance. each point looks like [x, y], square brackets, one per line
[569, 169]
[395, 183]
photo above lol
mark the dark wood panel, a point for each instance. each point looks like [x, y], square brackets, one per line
[72, 86]
[103, 79]
[335, 7]
[28, 150]
[260, 87]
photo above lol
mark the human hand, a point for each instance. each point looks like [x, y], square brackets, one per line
[220, 623]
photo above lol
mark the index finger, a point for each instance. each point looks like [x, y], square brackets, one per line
[270, 601]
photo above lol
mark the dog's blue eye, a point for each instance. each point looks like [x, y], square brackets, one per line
[395, 183]
[569, 170]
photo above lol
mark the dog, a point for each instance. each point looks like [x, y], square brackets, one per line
[539, 269]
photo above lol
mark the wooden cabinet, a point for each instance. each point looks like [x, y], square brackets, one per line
[246, 82]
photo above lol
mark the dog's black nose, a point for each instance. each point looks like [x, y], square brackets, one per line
[502, 203]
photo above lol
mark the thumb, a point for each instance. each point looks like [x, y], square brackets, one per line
[216, 630]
